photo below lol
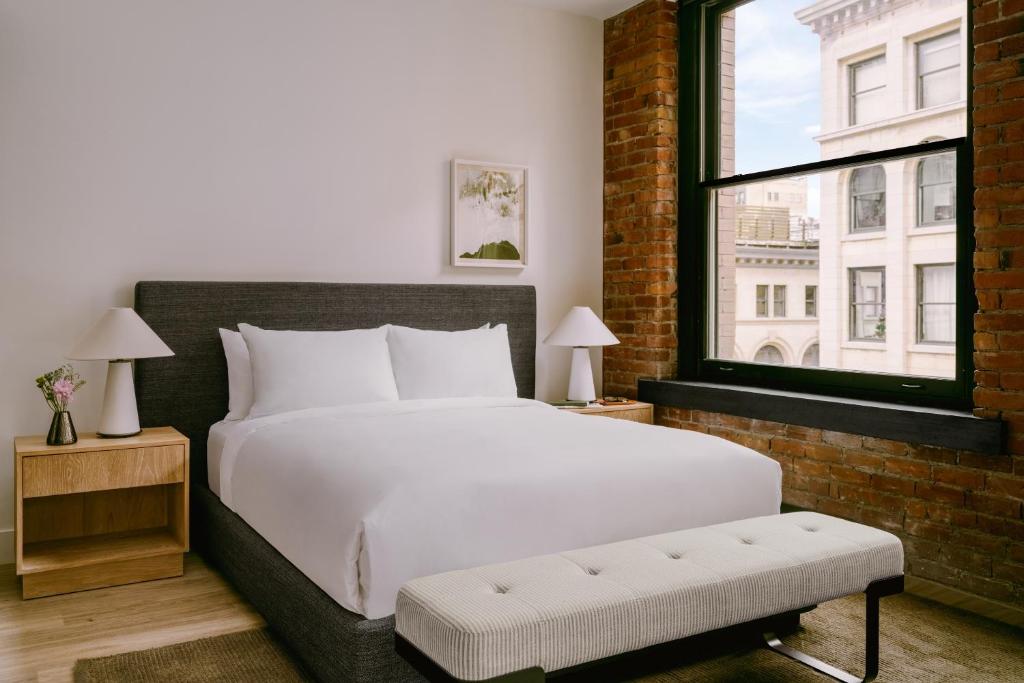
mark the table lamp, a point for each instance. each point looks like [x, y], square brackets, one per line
[119, 336]
[581, 329]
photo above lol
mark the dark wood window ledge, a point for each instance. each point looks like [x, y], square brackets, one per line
[912, 424]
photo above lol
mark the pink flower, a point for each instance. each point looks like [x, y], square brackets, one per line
[64, 390]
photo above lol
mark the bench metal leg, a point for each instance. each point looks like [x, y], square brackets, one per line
[874, 592]
[435, 674]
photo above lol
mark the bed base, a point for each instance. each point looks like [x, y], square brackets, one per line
[788, 621]
[329, 642]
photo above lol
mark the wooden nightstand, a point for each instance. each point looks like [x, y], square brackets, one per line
[635, 412]
[101, 512]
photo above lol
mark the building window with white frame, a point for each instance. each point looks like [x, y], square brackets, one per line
[867, 304]
[811, 301]
[761, 303]
[938, 70]
[867, 90]
[936, 303]
[936, 190]
[768, 354]
[867, 199]
[779, 301]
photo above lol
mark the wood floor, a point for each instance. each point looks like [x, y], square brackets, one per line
[41, 639]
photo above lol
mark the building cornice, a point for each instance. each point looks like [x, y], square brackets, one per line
[828, 17]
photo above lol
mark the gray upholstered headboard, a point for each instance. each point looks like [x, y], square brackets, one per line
[189, 391]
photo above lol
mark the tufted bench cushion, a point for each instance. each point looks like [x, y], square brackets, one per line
[557, 611]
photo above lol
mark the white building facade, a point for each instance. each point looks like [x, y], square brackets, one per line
[892, 76]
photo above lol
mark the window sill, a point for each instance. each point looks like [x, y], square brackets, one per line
[930, 426]
[924, 230]
[864, 236]
[864, 345]
[937, 349]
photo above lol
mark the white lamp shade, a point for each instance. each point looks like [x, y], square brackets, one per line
[119, 335]
[581, 327]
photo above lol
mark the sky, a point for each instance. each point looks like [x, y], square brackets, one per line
[778, 89]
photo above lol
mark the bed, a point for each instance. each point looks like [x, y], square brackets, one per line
[327, 586]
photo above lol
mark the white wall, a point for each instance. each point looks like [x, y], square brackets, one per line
[275, 140]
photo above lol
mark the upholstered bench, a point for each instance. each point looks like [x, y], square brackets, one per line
[517, 620]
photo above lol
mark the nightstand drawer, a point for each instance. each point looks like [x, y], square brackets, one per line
[58, 474]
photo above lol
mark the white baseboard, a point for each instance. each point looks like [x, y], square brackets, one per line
[6, 546]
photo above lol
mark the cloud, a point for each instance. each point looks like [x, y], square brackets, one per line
[812, 129]
[777, 62]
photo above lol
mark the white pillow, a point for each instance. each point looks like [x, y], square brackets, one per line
[432, 364]
[239, 374]
[296, 370]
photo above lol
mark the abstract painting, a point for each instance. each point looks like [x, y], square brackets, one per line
[488, 214]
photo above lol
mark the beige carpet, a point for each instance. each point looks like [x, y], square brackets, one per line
[921, 641]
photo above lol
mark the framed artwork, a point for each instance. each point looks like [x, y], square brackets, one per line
[489, 216]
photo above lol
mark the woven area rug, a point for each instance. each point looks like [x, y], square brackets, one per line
[921, 641]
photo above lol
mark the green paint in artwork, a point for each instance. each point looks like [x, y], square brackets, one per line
[503, 250]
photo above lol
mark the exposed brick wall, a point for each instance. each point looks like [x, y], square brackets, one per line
[640, 194]
[960, 514]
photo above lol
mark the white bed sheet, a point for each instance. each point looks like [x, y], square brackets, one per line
[363, 498]
[214, 447]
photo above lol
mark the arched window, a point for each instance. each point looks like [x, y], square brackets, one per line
[769, 355]
[936, 190]
[810, 358]
[867, 199]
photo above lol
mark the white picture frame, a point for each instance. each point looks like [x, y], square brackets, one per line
[489, 214]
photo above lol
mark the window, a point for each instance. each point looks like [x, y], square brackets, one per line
[810, 359]
[768, 354]
[867, 304]
[741, 197]
[938, 70]
[762, 301]
[791, 141]
[779, 301]
[936, 190]
[867, 199]
[810, 301]
[936, 304]
[867, 91]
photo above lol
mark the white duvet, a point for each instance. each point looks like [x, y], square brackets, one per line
[363, 498]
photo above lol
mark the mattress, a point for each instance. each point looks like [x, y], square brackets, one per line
[363, 498]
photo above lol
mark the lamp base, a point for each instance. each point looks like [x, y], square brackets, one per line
[581, 376]
[120, 415]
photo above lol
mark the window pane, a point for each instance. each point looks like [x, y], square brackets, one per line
[810, 358]
[762, 301]
[810, 301]
[936, 187]
[866, 323]
[867, 199]
[938, 70]
[794, 80]
[779, 303]
[937, 297]
[768, 354]
[867, 303]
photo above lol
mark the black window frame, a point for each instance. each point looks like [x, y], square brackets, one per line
[699, 78]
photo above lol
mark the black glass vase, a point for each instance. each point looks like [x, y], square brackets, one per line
[62, 430]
